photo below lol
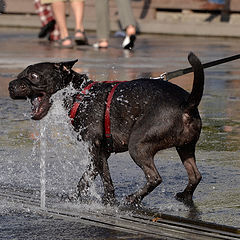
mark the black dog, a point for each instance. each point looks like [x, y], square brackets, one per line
[147, 115]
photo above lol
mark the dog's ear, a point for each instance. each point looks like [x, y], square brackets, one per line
[66, 66]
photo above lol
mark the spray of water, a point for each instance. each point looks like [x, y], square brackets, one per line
[63, 157]
[43, 165]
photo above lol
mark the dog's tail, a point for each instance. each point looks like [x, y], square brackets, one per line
[198, 82]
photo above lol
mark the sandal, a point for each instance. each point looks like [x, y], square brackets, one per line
[98, 44]
[61, 45]
[81, 40]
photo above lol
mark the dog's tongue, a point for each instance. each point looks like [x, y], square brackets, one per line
[35, 105]
[40, 106]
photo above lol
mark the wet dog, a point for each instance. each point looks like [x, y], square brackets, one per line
[146, 116]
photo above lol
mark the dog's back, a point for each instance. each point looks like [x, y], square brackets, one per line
[146, 115]
[160, 112]
[160, 115]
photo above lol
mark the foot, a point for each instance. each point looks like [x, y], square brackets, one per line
[133, 200]
[47, 29]
[129, 40]
[131, 30]
[184, 197]
[65, 43]
[101, 44]
[80, 38]
[69, 197]
[106, 200]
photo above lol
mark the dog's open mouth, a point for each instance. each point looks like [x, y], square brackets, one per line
[40, 105]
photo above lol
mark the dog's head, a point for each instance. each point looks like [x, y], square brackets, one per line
[39, 82]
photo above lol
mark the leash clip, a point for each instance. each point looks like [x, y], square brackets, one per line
[163, 76]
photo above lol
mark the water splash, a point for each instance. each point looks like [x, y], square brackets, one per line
[43, 164]
[63, 157]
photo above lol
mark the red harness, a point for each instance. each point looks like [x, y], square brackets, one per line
[107, 121]
[75, 106]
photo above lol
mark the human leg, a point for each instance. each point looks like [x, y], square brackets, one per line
[103, 24]
[126, 15]
[128, 23]
[78, 10]
[59, 13]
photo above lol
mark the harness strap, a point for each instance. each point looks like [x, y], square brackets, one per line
[107, 112]
[74, 109]
[107, 121]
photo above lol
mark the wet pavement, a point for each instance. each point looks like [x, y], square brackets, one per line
[217, 196]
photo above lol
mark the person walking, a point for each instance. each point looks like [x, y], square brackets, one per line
[59, 10]
[103, 24]
[48, 22]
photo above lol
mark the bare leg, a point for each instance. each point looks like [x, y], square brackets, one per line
[59, 13]
[78, 10]
[131, 30]
[187, 155]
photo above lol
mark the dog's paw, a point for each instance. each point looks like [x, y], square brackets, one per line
[109, 200]
[133, 200]
[74, 197]
[184, 197]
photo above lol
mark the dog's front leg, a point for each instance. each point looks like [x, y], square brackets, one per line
[83, 185]
[103, 169]
[99, 165]
[86, 180]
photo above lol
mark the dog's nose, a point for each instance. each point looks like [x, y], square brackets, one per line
[15, 85]
[17, 91]
[11, 87]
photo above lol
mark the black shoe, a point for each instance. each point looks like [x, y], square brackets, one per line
[128, 42]
[2, 6]
[47, 29]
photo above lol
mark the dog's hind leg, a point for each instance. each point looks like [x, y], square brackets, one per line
[144, 158]
[187, 155]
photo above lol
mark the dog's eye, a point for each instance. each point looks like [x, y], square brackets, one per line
[34, 77]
